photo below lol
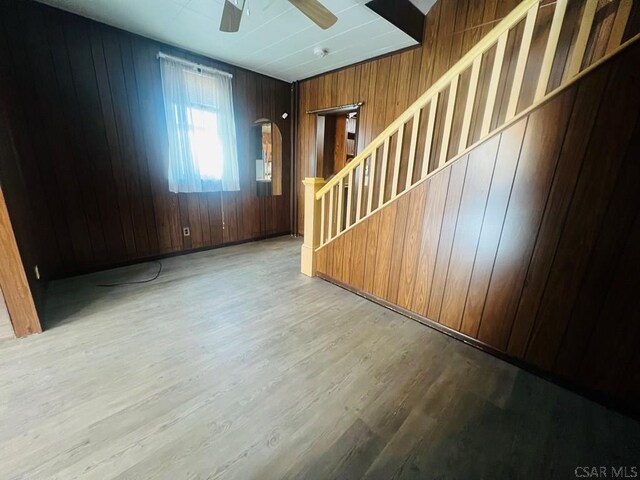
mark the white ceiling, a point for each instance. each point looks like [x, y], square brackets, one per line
[277, 40]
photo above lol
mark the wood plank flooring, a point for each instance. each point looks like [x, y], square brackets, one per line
[234, 365]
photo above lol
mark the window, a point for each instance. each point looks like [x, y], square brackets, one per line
[200, 127]
[205, 143]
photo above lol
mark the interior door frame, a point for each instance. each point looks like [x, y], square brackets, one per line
[320, 124]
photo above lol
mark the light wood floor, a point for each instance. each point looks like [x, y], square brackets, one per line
[233, 365]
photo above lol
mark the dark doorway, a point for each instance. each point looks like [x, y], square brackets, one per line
[336, 140]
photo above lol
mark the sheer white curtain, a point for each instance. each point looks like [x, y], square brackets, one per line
[198, 105]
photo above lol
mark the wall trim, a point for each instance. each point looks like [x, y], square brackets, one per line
[604, 400]
[161, 256]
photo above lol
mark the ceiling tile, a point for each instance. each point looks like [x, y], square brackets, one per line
[275, 39]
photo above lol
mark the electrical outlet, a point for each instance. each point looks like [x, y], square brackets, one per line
[186, 232]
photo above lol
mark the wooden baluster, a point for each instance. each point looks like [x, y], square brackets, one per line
[619, 24]
[360, 188]
[412, 148]
[340, 211]
[550, 50]
[471, 97]
[433, 106]
[383, 172]
[521, 63]
[349, 194]
[372, 180]
[448, 120]
[330, 233]
[396, 164]
[582, 39]
[493, 84]
[322, 214]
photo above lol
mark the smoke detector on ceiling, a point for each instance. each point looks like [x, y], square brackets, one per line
[320, 52]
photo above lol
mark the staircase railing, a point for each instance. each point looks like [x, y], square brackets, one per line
[447, 121]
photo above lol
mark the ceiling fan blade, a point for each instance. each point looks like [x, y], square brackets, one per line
[231, 16]
[317, 12]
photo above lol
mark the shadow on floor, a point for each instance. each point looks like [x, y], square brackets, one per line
[69, 299]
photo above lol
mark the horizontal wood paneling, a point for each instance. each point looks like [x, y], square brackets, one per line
[529, 244]
[85, 105]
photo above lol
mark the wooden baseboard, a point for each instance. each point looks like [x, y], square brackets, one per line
[161, 256]
[632, 411]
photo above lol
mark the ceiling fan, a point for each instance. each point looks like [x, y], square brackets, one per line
[318, 13]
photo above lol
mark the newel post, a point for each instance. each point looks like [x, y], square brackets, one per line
[311, 225]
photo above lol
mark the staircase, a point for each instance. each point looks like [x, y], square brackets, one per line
[461, 110]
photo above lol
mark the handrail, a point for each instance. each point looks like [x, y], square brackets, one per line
[506, 125]
[484, 44]
[379, 174]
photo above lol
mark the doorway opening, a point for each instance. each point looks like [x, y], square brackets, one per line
[336, 139]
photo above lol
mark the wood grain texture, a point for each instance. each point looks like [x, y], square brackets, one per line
[470, 219]
[447, 234]
[248, 384]
[531, 257]
[498, 199]
[85, 105]
[13, 281]
[541, 147]
[389, 85]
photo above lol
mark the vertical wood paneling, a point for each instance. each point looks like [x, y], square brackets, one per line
[411, 249]
[536, 167]
[597, 178]
[452, 27]
[500, 191]
[358, 255]
[447, 231]
[387, 86]
[398, 246]
[573, 150]
[373, 224]
[470, 220]
[538, 256]
[384, 250]
[86, 105]
[436, 188]
[345, 275]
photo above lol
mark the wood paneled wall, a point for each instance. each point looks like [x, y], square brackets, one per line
[388, 86]
[85, 104]
[23, 218]
[530, 244]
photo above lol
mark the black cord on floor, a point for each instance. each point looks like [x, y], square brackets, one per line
[137, 282]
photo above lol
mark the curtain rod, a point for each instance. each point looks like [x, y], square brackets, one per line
[195, 66]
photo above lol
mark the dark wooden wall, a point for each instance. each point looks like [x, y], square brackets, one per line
[387, 86]
[23, 217]
[530, 244]
[85, 106]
